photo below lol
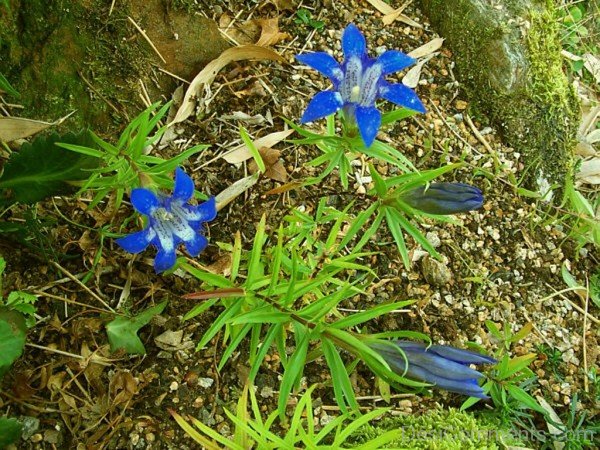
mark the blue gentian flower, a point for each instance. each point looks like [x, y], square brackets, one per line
[444, 198]
[357, 83]
[441, 365]
[171, 221]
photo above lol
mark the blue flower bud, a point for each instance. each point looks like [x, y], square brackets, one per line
[441, 365]
[444, 198]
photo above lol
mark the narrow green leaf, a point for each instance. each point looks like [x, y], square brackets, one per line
[397, 114]
[211, 279]
[342, 386]
[292, 374]
[358, 318]
[524, 398]
[254, 264]
[396, 231]
[380, 186]
[253, 150]
[6, 87]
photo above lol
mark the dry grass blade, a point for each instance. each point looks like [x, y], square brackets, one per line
[13, 128]
[208, 74]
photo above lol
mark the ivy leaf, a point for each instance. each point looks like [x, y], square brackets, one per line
[41, 169]
[12, 337]
[10, 431]
[122, 331]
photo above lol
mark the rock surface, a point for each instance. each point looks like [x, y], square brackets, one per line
[507, 55]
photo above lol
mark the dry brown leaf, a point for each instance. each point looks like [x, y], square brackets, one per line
[226, 196]
[13, 128]
[381, 6]
[221, 266]
[241, 153]
[592, 63]
[389, 18]
[208, 74]
[274, 168]
[270, 34]
[411, 79]
[123, 387]
[281, 5]
[427, 49]
[589, 171]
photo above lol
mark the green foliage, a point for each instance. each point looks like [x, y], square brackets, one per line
[441, 430]
[41, 169]
[584, 224]
[127, 165]
[511, 378]
[122, 331]
[10, 431]
[259, 432]
[295, 281]
[303, 16]
[16, 315]
[6, 87]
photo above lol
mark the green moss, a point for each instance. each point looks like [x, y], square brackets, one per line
[509, 60]
[48, 48]
[441, 430]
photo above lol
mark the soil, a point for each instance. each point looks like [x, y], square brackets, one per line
[501, 263]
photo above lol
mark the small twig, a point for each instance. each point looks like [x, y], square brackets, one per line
[574, 305]
[112, 5]
[107, 101]
[478, 135]
[37, 408]
[72, 302]
[83, 286]
[143, 33]
[173, 75]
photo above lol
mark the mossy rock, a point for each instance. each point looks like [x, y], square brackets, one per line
[440, 430]
[508, 58]
[65, 55]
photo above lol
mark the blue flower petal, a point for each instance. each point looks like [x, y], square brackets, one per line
[144, 200]
[196, 245]
[135, 242]
[462, 356]
[401, 95]
[353, 42]
[394, 61]
[368, 119]
[322, 105]
[164, 260]
[324, 63]
[207, 210]
[184, 186]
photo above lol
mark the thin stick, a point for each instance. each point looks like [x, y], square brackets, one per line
[143, 33]
[173, 75]
[112, 5]
[83, 286]
[72, 302]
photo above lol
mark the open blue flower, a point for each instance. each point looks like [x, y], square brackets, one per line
[357, 83]
[171, 221]
[441, 365]
[444, 198]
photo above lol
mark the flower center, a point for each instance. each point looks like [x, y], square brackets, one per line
[163, 215]
[355, 94]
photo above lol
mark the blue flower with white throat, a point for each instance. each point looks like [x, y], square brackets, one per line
[357, 83]
[171, 221]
